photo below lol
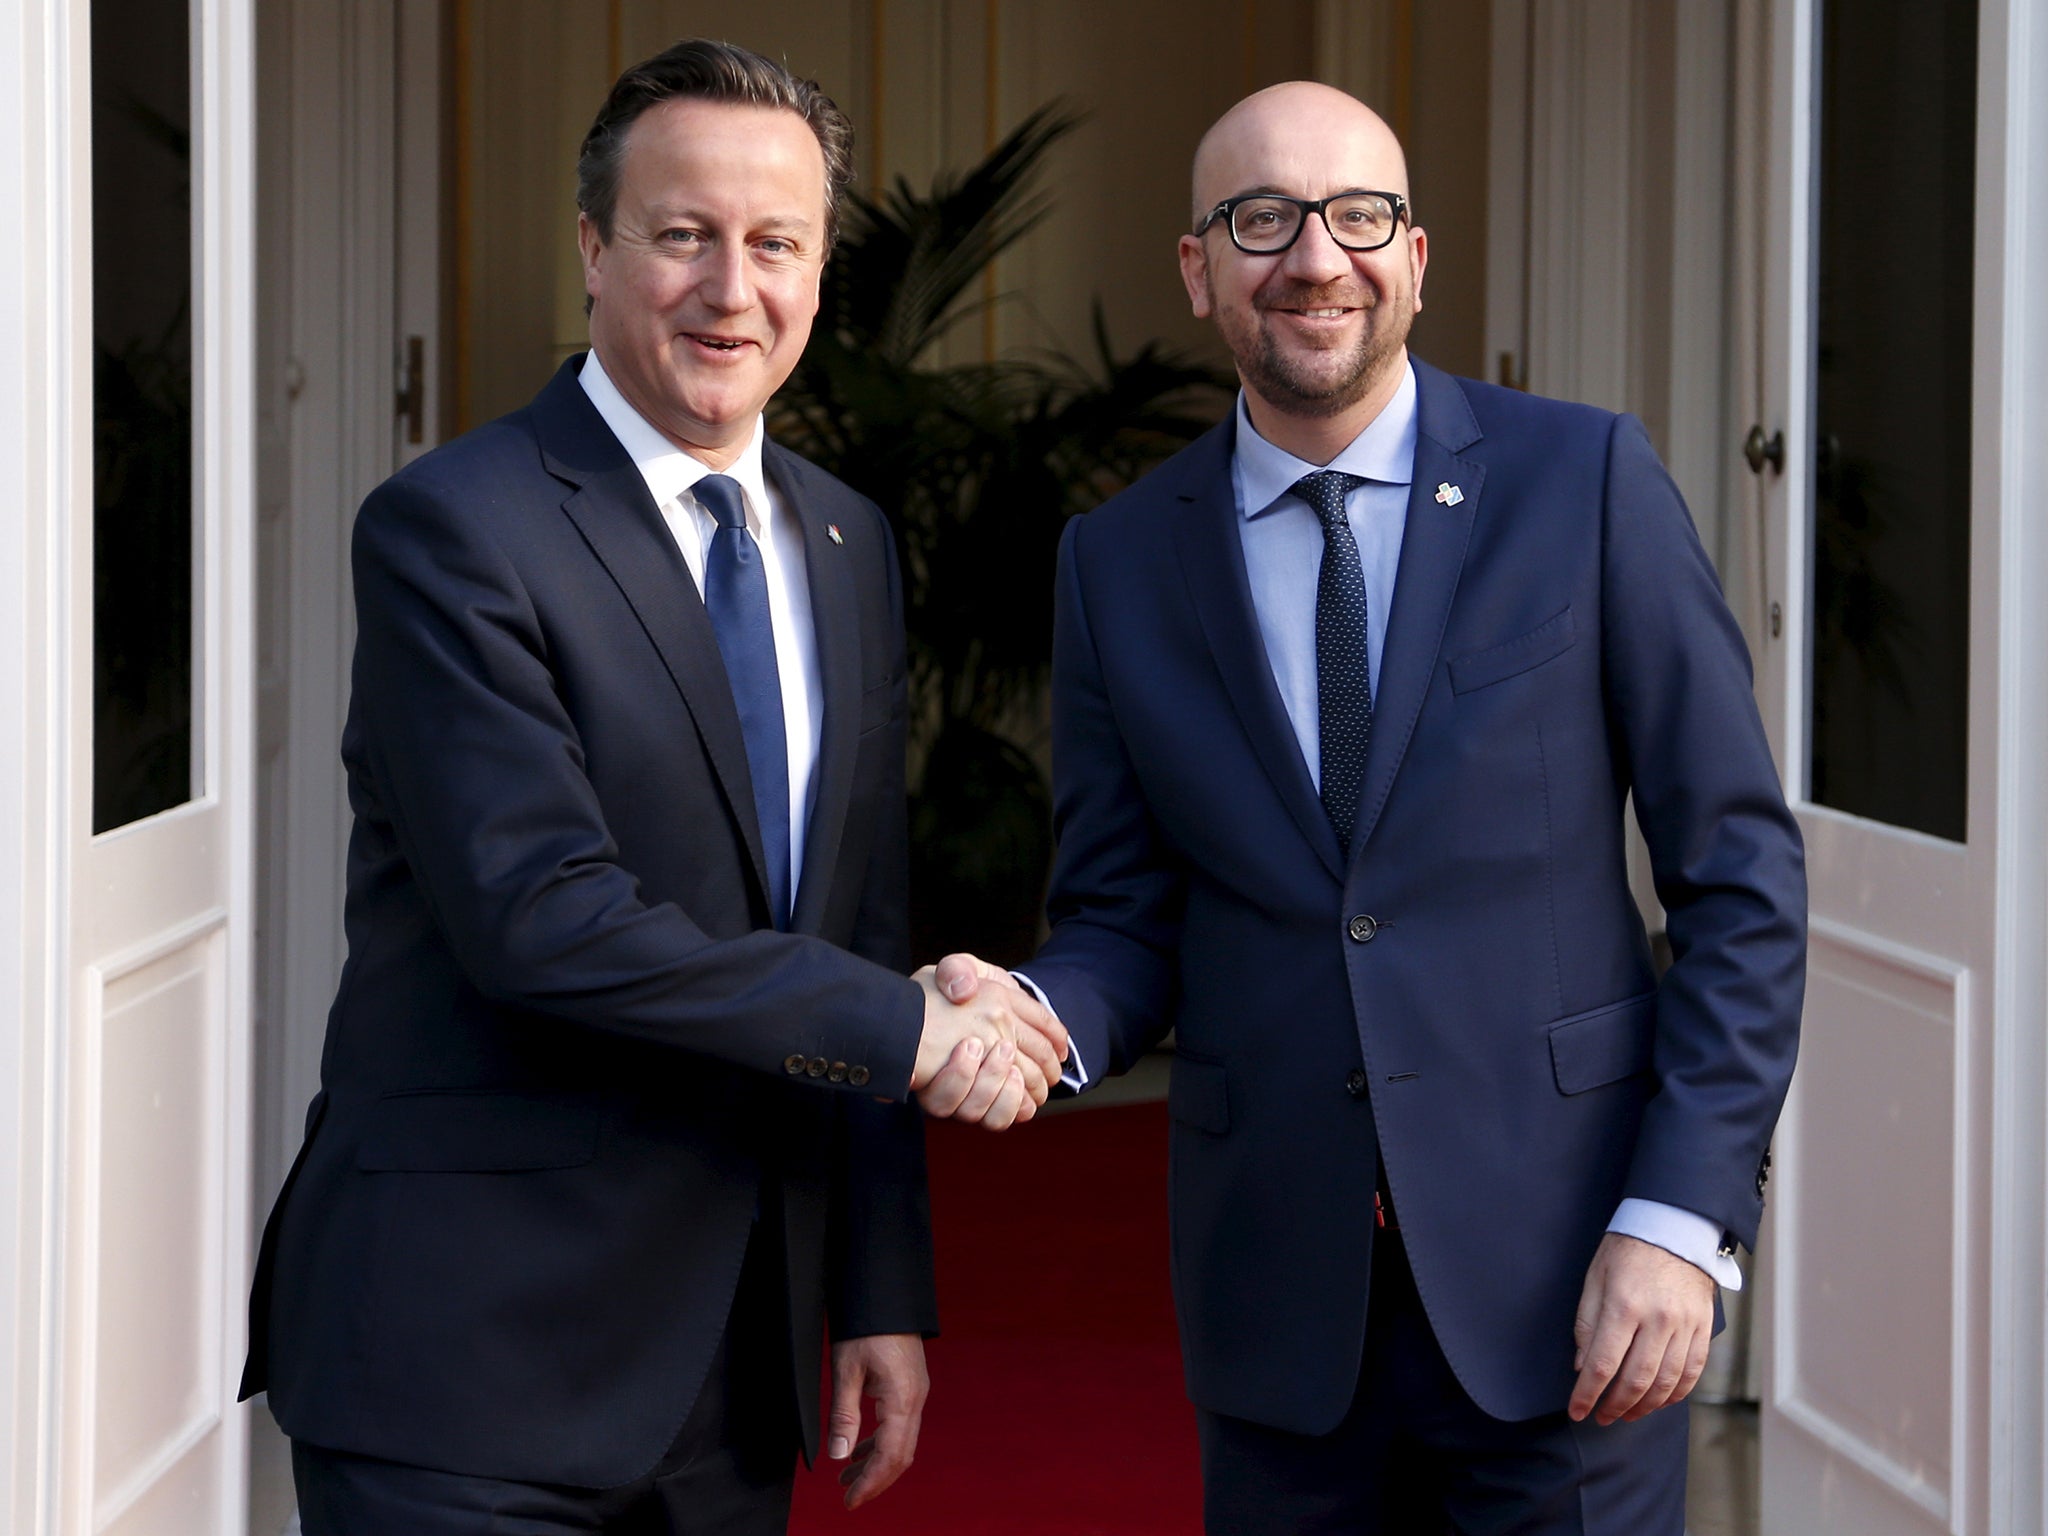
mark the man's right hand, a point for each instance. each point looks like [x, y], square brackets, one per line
[990, 1051]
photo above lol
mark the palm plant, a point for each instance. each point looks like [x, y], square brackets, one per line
[978, 467]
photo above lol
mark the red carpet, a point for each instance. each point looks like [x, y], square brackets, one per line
[1057, 1407]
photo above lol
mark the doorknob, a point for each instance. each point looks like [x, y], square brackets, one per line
[1757, 451]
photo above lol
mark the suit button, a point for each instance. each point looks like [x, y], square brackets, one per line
[1362, 928]
[837, 1072]
[794, 1065]
[817, 1066]
[858, 1076]
[1354, 1083]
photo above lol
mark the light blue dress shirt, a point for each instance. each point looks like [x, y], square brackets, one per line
[1283, 552]
[1283, 548]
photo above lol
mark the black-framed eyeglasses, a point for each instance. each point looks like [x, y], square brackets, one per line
[1266, 223]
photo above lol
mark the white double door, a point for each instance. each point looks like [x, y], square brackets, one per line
[1890, 243]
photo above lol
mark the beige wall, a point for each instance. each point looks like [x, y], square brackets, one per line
[931, 84]
[1446, 133]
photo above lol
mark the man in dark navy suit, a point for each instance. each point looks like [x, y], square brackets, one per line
[613, 1116]
[1348, 700]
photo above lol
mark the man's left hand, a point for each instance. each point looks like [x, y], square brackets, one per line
[889, 1367]
[1645, 1319]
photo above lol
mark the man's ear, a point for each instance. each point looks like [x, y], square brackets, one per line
[591, 246]
[1194, 275]
[1418, 246]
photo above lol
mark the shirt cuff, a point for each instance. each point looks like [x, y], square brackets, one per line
[1692, 1237]
[1076, 1075]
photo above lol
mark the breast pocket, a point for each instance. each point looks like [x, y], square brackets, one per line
[1497, 663]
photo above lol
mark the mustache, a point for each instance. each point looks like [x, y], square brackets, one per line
[1326, 296]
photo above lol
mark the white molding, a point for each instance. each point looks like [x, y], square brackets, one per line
[33, 278]
[68, 504]
[2013, 402]
[1951, 978]
[1874, 1463]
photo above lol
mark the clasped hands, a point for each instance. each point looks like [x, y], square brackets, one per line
[990, 1051]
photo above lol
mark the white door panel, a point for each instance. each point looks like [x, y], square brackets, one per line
[151, 1186]
[1875, 1416]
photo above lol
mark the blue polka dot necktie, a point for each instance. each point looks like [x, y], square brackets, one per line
[1343, 663]
[736, 596]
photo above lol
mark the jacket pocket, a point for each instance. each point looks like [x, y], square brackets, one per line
[1605, 1045]
[1553, 637]
[477, 1132]
[1198, 1094]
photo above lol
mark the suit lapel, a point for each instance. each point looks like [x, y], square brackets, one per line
[1432, 556]
[1212, 561]
[835, 626]
[618, 519]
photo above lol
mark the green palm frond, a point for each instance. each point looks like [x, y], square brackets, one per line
[906, 260]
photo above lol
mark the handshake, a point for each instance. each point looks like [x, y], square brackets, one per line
[990, 1051]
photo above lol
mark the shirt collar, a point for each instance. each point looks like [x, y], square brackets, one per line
[1384, 451]
[667, 469]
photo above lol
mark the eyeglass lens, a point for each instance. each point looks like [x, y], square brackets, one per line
[1360, 223]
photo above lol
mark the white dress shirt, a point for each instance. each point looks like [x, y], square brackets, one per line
[1283, 551]
[669, 473]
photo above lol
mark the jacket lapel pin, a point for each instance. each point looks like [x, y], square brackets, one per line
[1449, 494]
[832, 533]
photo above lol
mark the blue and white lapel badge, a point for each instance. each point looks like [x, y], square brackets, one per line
[1449, 494]
[832, 533]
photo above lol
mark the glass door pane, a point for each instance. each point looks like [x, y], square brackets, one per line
[1895, 223]
[144, 760]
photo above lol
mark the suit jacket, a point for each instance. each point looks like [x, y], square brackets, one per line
[570, 1062]
[1467, 989]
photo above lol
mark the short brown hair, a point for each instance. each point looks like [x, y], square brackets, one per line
[699, 70]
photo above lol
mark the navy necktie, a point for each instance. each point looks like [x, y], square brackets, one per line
[1343, 662]
[736, 596]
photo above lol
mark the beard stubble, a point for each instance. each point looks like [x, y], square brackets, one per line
[1281, 377]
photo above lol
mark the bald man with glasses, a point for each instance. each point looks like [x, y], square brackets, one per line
[1348, 700]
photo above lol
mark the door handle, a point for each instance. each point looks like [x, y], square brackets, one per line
[1758, 451]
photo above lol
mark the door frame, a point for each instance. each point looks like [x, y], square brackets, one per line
[49, 857]
[2012, 336]
[40, 131]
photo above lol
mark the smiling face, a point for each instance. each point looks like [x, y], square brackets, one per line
[1319, 333]
[704, 293]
